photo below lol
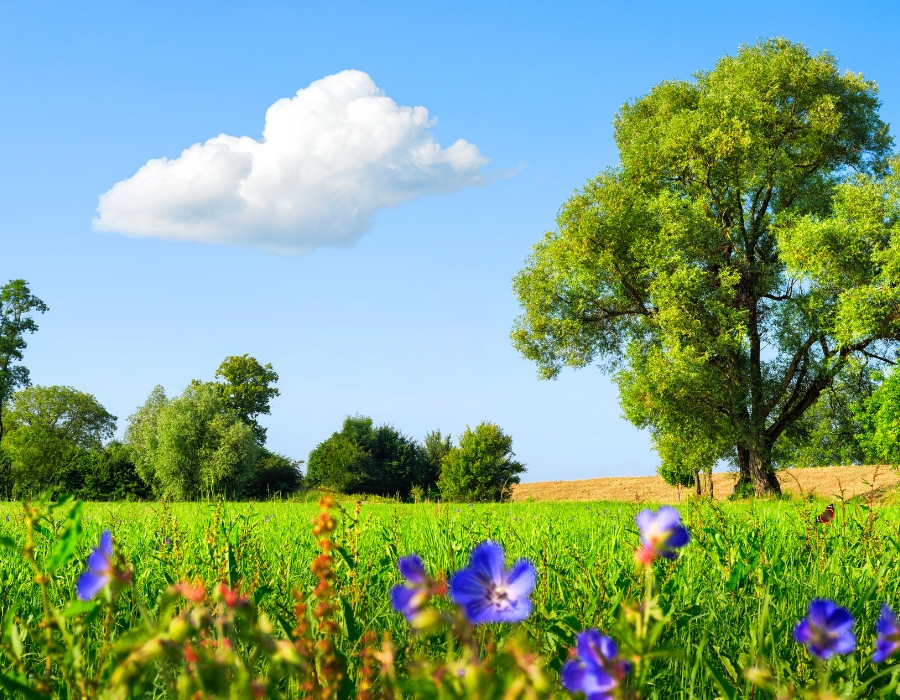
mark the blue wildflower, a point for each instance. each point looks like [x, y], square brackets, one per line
[827, 629]
[595, 671]
[887, 640]
[411, 597]
[100, 569]
[487, 592]
[661, 534]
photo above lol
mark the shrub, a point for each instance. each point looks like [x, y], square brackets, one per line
[274, 474]
[481, 468]
[364, 459]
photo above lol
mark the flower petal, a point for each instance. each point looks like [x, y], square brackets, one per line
[90, 584]
[820, 610]
[840, 620]
[667, 518]
[412, 569]
[520, 579]
[487, 560]
[401, 599]
[844, 644]
[466, 587]
[802, 632]
[645, 521]
[572, 676]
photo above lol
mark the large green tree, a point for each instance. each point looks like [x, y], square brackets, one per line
[733, 263]
[17, 308]
[193, 445]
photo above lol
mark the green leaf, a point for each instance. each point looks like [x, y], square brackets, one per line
[8, 542]
[16, 686]
[65, 546]
[79, 607]
[11, 629]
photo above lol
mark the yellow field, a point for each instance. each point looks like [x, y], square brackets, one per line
[830, 483]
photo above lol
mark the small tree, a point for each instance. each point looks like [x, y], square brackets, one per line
[274, 474]
[52, 432]
[482, 468]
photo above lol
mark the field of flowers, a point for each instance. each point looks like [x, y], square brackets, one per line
[292, 600]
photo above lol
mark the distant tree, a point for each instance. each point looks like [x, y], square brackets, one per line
[192, 445]
[142, 436]
[364, 459]
[274, 474]
[738, 257]
[339, 463]
[435, 448]
[482, 467]
[246, 388]
[111, 475]
[17, 308]
[52, 432]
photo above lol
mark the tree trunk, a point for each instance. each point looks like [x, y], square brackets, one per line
[697, 486]
[764, 480]
[710, 482]
[755, 470]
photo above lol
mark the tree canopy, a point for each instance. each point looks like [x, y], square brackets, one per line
[192, 445]
[742, 253]
[246, 388]
[481, 467]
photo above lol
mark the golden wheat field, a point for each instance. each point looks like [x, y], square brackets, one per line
[825, 482]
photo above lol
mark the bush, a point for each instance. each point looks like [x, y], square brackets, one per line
[364, 459]
[274, 474]
[481, 468]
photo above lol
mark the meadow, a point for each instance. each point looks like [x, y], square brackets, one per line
[731, 598]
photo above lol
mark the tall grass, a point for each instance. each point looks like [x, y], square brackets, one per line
[736, 592]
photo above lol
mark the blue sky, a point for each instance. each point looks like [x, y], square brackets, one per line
[410, 324]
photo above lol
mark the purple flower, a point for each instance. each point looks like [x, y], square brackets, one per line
[887, 640]
[100, 569]
[661, 534]
[827, 629]
[487, 592]
[596, 671]
[411, 597]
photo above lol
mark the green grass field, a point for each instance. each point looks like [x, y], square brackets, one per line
[742, 557]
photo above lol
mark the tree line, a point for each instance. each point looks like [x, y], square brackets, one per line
[208, 441]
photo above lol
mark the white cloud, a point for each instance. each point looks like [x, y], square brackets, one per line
[329, 159]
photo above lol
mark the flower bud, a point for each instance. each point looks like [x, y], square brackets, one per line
[427, 621]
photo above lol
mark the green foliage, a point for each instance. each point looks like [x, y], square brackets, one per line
[482, 467]
[830, 432]
[732, 265]
[17, 308]
[111, 476]
[435, 448]
[274, 474]
[879, 416]
[364, 459]
[53, 436]
[193, 445]
[246, 388]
